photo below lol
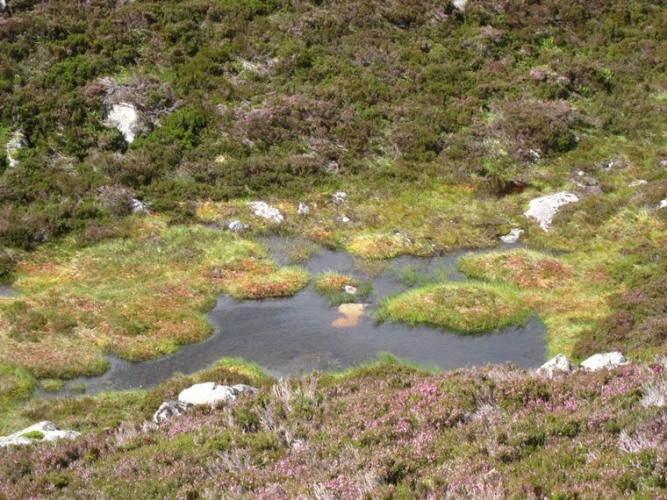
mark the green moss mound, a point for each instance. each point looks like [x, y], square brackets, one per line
[464, 307]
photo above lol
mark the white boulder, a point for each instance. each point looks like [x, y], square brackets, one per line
[266, 211]
[43, 431]
[544, 208]
[605, 360]
[125, 118]
[513, 236]
[352, 290]
[210, 393]
[555, 365]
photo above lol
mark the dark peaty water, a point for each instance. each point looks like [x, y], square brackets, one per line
[290, 337]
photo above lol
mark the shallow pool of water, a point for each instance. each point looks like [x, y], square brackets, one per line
[293, 336]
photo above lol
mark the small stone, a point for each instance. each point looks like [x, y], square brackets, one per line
[544, 208]
[663, 203]
[460, 5]
[265, 211]
[169, 410]
[352, 290]
[236, 226]
[513, 236]
[344, 219]
[640, 182]
[606, 360]
[339, 198]
[303, 209]
[557, 364]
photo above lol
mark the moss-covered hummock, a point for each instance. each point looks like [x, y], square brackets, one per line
[464, 307]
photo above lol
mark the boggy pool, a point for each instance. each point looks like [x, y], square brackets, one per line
[293, 336]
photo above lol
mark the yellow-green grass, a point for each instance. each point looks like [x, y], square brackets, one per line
[137, 298]
[570, 297]
[463, 307]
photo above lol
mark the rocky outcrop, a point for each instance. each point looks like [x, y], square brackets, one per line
[16, 141]
[266, 211]
[605, 360]
[43, 431]
[544, 208]
[125, 118]
[557, 364]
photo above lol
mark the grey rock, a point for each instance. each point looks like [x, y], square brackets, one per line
[236, 226]
[303, 209]
[210, 393]
[49, 430]
[170, 409]
[138, 207]
[555, 365]
[244, 389]
[605, 360]
[339, 198]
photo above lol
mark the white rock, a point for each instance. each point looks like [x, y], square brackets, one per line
[16, 141]
[208, 393]
[303, 209]
[513, 236]
[138, 207]
[236, 226]
[557, 364]
[266, 211]
[3, 5]
[460, 4]
[640, 182]
[605, 360]
[352, 290]
[339, 198]
[663, 203]
[125, 118]
[48, 429]
[344, 219]
[169, 410]
[544, 208]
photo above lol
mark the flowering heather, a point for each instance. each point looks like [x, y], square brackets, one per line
[378, 431]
